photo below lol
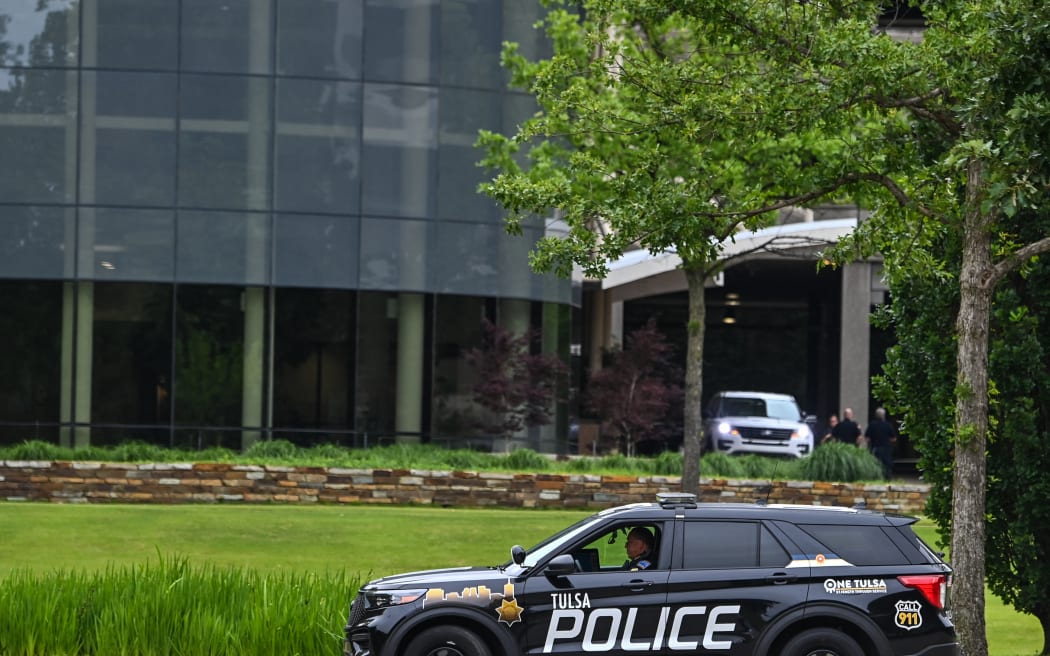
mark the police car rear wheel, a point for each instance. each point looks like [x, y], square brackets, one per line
[447, 641]
[822, 642]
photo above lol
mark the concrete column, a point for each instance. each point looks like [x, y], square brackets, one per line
[410, 367]
[254, 301]
[615, 323]
[78, 318]
[854, 354]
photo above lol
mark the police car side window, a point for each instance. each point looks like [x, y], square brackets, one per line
[607, 553]
[859, 545]
[728, 545]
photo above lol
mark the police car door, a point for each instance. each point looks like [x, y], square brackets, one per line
[728, 580]
[600, 605]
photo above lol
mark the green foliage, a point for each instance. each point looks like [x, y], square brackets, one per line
[526, 460]
[35, 450]
[837, 461]
[271, 450]
[171, 608]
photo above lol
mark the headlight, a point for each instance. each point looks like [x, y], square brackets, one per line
[724, 428]
[384, 598]
[801, 433]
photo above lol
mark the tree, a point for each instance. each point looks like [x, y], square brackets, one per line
[632, 153]
[517, 387]
[632, 394]
[675, 125]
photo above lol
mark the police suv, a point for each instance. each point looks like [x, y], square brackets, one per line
[729, 579]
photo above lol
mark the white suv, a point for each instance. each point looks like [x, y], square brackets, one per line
[756, 422]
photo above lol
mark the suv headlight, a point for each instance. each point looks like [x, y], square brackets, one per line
[802, 433]
[384, 598]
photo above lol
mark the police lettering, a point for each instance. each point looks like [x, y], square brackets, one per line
[605, 628]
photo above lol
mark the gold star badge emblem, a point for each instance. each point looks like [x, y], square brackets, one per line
[509, 612]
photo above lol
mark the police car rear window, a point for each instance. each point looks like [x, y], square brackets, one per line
[729, 545]
[860, 545]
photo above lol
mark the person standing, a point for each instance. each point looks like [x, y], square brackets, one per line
[847, 430]
[833, 421]
[881, 438]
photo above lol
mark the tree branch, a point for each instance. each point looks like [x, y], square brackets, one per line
[1014, 260]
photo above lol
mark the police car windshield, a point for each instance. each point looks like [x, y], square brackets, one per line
[553, 545]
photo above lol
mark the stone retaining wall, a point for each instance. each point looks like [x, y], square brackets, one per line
[109, 482]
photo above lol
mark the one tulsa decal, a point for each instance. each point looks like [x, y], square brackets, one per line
[855, 586]
[605, 629]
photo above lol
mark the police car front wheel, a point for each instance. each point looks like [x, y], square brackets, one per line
[822, 642]
[447, 641]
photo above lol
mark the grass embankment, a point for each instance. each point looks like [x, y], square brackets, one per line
[251, 574]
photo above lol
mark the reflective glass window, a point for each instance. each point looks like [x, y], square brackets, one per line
[209, 363]
[375, 401]
[128, 157]
[30, 326]
[232, 36]
[37, 135]
[126, 244]
[39, 33]
[33, 242]
[471, 42]
[223, 247]
[462, 114]
[457, 329]
[394, 254]
[320, 38]
[518, 21]
[137, 34]
[224, 142]
[400, 147]
[317, 159]
[131, 354]
[402, 41]
[314, 337]
[315, 251]
[469, 261]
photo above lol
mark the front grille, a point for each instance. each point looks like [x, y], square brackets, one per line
[357, 610]
[778, 434]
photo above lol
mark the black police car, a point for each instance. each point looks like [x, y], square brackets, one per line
[728, 579]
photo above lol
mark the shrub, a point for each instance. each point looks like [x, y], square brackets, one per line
[37, 450]
[526, 460]
[668, 463]
[716, 464]
[272, 449]
[840, 462]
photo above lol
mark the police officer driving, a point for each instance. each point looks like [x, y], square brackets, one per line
[639, 549]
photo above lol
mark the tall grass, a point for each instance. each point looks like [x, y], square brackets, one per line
[170, 608]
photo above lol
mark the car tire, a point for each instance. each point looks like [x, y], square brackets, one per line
[447, 641]
[822, 642]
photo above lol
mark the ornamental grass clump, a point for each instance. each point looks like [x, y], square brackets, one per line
[840, 462]
[170, 608]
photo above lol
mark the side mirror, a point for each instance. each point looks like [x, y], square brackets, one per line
[517, 554]
[561, 565]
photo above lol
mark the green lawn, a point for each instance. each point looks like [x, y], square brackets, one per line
[370, 540]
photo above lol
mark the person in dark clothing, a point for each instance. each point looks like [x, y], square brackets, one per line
[847, 430]
[639, 549]
[881, 438]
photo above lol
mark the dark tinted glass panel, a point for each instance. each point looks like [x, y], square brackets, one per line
[30, 326]
[37, 135]
[318, 149]
[133, 33]
[393, 254]
[859, 545]
[209, 363]
[770, 552]
[232, 36]
[126, 244]
[470, 43]
[314, 336]
[469, 261]
[224, 136]
[400, 146]
[401, 42]
[375, 401]
[38, 33]
[131, 354]
[457, 329]
[129, 158]
[518, 21]
[717, 545]
[315, 251]
[463, 113]
[32, 242]
[226, 247]
[319, 38]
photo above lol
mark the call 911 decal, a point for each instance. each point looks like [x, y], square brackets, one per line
[909, 615]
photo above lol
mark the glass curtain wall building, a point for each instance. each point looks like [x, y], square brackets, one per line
[226, 221]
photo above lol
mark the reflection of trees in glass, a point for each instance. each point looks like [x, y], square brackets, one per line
[208, 358]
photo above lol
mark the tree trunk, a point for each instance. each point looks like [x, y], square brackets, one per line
[971, 424]
[694, 378]
[1044, 623]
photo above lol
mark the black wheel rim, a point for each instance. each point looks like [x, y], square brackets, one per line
[822, 652]
[445, 650]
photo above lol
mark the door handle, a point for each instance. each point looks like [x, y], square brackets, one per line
[780, 578]
[636, 584]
